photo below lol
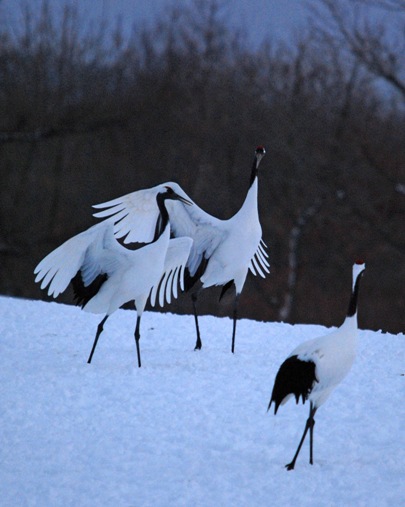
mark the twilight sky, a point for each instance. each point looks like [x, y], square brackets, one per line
[259, 18]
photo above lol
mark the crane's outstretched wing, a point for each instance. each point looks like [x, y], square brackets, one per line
[134, 216]
[173, 275]
[93, 252]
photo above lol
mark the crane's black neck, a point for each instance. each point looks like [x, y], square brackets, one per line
[255, 170]
[353, 298]
[163, 218]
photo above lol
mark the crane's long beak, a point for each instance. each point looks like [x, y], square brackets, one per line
[179, 198]
[260, 153]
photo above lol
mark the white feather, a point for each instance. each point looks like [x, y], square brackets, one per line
[61, 265]
[175, 261]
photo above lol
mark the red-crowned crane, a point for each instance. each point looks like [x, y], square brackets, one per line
[105, 275]
[317, 366]
[223, 251]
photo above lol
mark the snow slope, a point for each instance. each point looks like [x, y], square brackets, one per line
[188, 428]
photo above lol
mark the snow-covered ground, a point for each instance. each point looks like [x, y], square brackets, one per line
[188, 428]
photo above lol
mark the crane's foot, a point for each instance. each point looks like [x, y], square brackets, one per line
[290, 466]
[198, 345]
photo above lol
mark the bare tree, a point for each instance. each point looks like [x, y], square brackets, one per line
[296, 232]
[377, 42]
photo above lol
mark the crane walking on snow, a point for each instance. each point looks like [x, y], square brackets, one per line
[317, 366]
[223, 251]
[105, 275]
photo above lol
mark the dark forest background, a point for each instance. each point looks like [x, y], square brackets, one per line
[88, 114]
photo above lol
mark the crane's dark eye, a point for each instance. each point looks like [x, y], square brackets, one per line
[169, 190]
[260, 149]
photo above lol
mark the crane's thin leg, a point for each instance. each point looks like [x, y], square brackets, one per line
[308, 426]
[194, 298]
[137, 338]
[235, 318]
[100, 328]
[311, 434]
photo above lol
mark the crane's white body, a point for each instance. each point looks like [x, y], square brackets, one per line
[240, 242]
[333, 355]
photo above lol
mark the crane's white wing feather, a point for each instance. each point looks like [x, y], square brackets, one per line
[175, 263]
[259, 264]
[93, 251]
[134, 215]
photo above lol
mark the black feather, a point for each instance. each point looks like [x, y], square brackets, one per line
[354, 295]
[83, 294]
[191, 280]
[295, 377]
[225, 287]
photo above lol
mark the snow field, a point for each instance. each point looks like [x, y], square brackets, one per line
[189, 428]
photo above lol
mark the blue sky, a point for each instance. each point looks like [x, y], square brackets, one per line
[278, 20]
[259, 18]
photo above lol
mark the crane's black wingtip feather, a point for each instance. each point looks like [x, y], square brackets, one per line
[225, 288]
[295, 377]
[276, 405]
[83, 293]
[189, 279]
